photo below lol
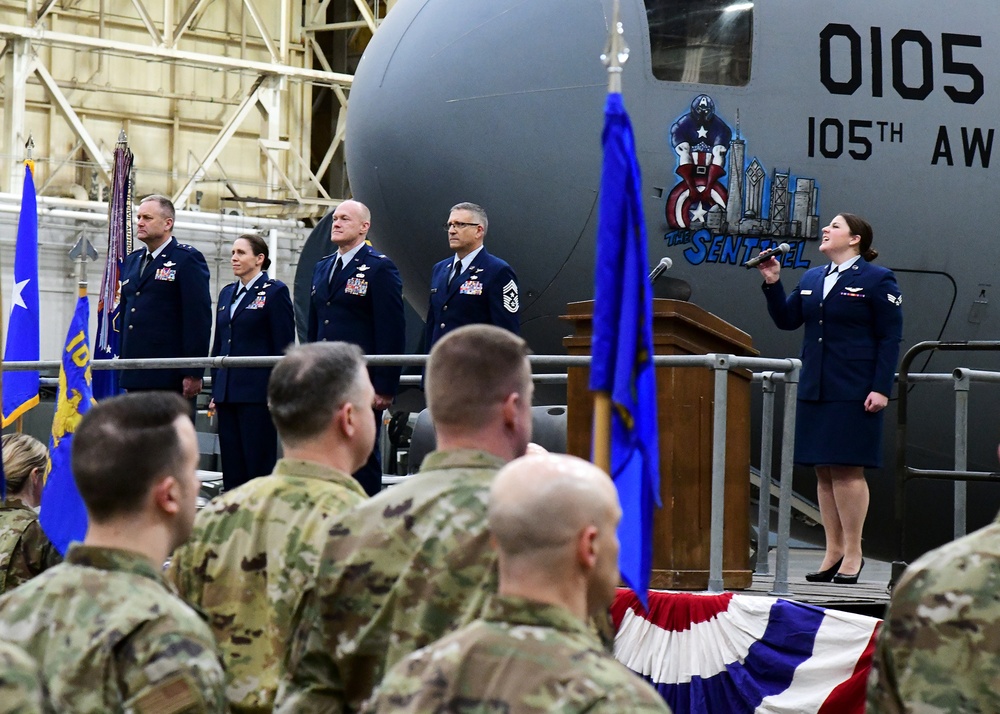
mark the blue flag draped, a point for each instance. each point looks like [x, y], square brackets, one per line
[622, 346]
[20, 389]
[63, 516]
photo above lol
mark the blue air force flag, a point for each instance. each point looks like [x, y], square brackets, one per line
[622, 345]
[63, 516]
[20, 389]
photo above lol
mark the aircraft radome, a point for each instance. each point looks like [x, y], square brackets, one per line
[755, 123]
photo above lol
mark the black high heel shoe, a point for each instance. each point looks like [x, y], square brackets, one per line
[824, 576]
[849, 579]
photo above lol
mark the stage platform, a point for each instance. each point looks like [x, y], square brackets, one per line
[869, 597]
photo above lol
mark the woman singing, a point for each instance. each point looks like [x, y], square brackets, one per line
[254, 318]
[853, 326]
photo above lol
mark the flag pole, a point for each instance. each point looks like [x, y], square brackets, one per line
[614, 56]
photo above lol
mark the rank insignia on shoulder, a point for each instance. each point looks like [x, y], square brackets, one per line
[510, 301]
[896, 300]
[265, 285]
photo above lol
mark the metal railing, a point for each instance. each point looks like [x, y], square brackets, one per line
[961, 379]
[776, 371]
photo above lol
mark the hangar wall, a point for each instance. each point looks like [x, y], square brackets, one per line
[217, 99]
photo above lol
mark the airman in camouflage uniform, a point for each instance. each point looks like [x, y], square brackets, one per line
[415, 562]
[105, 626]
[554, 521]
[21, 688]
[25, 550]
[106, 629]
[936, 650]
[256, 548]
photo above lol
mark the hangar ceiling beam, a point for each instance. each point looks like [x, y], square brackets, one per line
[17, 59]
[186, 20]
[147, 20]
[197, 59]
[263, 83]
[74, 121]
[262, 29]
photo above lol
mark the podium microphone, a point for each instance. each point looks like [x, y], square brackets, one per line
[766, 255]
[660, 268]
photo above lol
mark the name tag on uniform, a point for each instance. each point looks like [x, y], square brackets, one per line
[167, 274]
[356, 286]
[471, 287]
[806, 292]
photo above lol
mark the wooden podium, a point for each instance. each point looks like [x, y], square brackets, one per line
[682, 528]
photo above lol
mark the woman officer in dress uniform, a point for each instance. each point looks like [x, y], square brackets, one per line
[853, 327]
[255, 318]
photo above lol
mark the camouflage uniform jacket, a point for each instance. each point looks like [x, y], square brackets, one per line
[21, 688]
[522, 657]
[111, 636]
[25, 550]
[401, 570]
[936, 650]
[253, 552]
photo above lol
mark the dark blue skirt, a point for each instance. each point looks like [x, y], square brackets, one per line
[837, 433]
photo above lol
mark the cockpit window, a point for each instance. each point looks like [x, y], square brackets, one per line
[702, 41]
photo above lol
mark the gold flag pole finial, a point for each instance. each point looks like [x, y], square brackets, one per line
[615, 52]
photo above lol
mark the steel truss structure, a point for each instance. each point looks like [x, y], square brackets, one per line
[215, 95]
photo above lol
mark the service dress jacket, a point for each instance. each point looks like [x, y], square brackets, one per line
[263, 324]
[484, 293]
[363, 306]
[166, 312]
[851, 342]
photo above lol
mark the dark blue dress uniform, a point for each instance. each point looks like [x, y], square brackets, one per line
[363, 306]
[166, 312]
[484, 293]
[850, 349]
[263, 324]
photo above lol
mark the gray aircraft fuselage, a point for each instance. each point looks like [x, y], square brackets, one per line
[886, 109]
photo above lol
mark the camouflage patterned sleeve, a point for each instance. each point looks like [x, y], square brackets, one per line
[311, 681]
[882, 694]
[165, 667]
[38, 550]
[21, 688]
[943, 617]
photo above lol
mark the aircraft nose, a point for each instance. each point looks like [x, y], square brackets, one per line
[501, 111]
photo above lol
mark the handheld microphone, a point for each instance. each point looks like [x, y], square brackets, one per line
[766, 255]
[662, 266]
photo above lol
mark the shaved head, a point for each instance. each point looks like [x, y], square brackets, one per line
[554, 520]
[539, 502]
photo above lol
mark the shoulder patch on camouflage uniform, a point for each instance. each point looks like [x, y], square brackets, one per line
[171, 696]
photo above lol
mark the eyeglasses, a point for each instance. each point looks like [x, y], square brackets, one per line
[458, 225]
